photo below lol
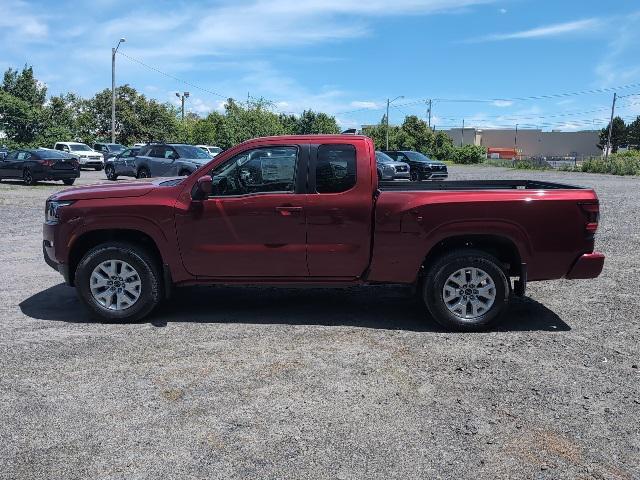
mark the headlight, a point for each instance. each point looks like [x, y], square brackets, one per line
[389, 168]
[52, 209]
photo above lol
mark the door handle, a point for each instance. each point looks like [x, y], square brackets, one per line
[288, 211]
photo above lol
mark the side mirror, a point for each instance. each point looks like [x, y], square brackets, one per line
[204, 187]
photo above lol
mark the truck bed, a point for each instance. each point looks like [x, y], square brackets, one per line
[399, 186]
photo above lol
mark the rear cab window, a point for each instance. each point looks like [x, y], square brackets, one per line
[336, 168]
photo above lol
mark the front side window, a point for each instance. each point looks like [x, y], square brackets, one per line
[335, 168]
[187, 151]
[262, 170]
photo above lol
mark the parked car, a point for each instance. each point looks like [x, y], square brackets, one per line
[85, 154]
[38, 164]
[4, 151]
[108, 150]
[390, 169]
[123, 164]
[169, 160]
[211, 150]
[309, 210]
[422, 167]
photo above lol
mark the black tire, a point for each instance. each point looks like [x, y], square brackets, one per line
[68, 181]
[98, 168]
[414, 176]
[147, 268]
[27, 177]
[143, 172]
[110, 172]
[440, 271]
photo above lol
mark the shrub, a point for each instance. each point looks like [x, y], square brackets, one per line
[616, 164]
[468, 154]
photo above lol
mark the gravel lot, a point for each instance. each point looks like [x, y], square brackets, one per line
[265, 383]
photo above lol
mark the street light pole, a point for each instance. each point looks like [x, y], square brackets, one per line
[182, 97]
[389, 102]
[113, 90]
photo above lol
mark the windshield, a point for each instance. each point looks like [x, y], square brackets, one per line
[79, 147]
[115, 147]
[418, 157]
[383, 158]
[188, 151]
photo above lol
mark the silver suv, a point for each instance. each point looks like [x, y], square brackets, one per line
[169, 160]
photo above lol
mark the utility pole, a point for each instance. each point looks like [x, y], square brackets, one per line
[613, 109]
[389, 102]
[182, 97]
[113, 90]
[429, 112]
[462, 140]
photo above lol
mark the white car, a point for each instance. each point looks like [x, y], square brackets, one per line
[87, 157]
[210, 149]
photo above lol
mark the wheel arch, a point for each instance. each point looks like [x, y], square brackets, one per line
[93, 238]
[499, 246]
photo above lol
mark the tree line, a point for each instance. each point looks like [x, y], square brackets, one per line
[29, 118]
[622, 135]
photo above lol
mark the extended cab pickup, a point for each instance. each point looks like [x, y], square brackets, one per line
[310, 210]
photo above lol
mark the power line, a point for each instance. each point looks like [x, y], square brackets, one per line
[157, 70]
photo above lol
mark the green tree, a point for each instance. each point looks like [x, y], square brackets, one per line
[633, 133]
[21, 100]
[311, 122]
[618, 135]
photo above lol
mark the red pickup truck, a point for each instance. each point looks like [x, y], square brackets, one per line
[310, 210]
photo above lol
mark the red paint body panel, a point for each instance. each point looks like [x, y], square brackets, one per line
[360, 235]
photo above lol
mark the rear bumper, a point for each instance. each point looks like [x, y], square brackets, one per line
[588, 265]
[51, 174]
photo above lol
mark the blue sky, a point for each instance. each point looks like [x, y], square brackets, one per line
[345, 57]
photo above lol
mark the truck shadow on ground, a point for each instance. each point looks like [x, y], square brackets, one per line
[383, 307]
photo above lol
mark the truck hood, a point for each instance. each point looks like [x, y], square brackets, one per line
[108, 190]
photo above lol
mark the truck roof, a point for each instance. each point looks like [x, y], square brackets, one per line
[309, 137]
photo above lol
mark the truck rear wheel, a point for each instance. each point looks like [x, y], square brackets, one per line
[118, 282]
[466, 290]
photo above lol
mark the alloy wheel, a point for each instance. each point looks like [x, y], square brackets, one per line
[469, 293]
[115, 285]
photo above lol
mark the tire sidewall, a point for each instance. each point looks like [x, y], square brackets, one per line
[27, 177]
[149, 275]
[110, 172]
[434, 283]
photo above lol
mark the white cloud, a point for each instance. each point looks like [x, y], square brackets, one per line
[502, 10]
[359, 104]
[23, 24]
[553, 30]
[615, 68]
[502, 103]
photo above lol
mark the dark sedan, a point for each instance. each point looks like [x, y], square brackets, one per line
[38, 164]
[422, 167]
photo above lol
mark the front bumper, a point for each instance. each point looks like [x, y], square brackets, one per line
[59, 267]
[588, 265]
[402, 175]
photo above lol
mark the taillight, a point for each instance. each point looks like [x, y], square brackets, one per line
[47, 163]
[591, 212]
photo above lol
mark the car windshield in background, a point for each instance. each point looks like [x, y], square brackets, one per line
[51, 154]
[187, 151]
[115, 147]
[383, 157]
[79, 148]
[418, 157]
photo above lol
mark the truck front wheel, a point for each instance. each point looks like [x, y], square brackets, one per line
[466, 290]
[118, 282]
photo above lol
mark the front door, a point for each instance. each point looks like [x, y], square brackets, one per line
[253, 224]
